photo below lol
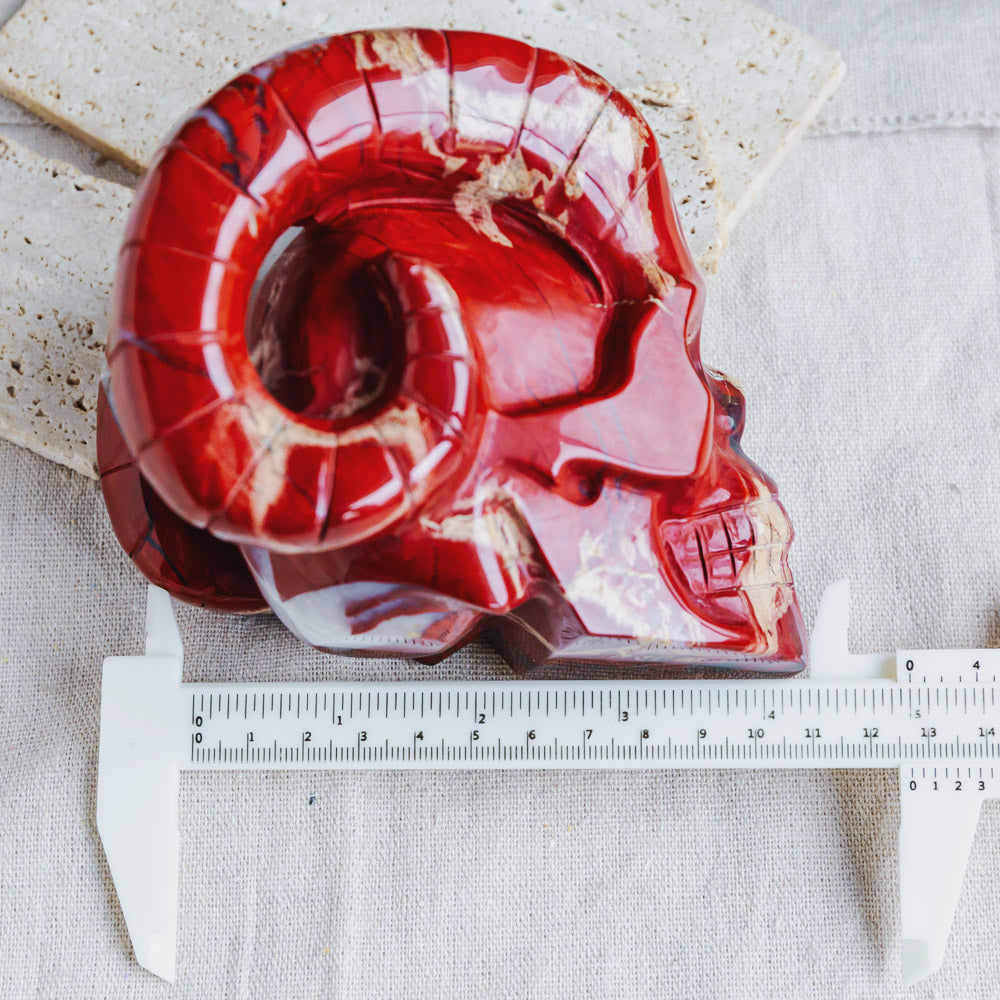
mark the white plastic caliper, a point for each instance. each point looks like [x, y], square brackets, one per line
[933, 715]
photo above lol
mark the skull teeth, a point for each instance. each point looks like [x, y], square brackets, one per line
[714, 550]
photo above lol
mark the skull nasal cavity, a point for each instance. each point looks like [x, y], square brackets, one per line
[319, 332]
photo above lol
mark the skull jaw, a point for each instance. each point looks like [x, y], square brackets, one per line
[617, 656]
[543, 637]
[731, 565]
[644, 595]
[598, 597]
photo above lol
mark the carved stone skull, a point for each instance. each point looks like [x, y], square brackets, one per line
[406, 344]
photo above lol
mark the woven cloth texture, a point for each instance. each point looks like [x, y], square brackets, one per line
[858, 304]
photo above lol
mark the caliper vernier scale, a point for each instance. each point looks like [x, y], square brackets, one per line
[934, 715]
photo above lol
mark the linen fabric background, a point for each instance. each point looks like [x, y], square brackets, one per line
[859, 305]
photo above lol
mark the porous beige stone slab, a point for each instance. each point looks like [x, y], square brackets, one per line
[119, 74]
[59, 236]
[690, 166]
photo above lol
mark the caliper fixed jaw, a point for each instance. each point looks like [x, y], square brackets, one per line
[138, 786]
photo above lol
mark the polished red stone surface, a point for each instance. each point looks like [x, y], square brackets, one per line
[405, 324]
[187, 561]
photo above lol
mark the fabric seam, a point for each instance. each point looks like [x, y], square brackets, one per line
[879, 124]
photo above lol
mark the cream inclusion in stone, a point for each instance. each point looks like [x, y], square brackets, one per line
[398, 50]
[762, 579]
[265, 422]
[510, 178]
[491, 522]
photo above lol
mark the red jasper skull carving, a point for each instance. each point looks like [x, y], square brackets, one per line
[406, 346]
